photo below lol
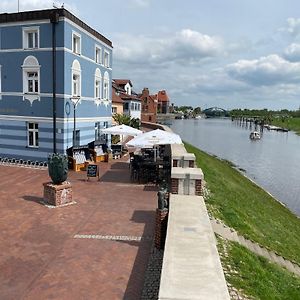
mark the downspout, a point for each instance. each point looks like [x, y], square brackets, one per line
[54, 18]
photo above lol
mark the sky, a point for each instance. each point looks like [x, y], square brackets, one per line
[225, 53]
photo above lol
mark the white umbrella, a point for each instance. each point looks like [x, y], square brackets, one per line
[122, 130]
[154, 137]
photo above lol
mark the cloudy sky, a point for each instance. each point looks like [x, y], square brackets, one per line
[226, 53]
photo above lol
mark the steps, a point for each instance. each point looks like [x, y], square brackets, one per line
[231, 235]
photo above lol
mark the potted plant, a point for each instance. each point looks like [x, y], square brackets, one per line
[58, 167]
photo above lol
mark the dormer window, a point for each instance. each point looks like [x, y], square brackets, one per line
[76, 43]
[30, 37]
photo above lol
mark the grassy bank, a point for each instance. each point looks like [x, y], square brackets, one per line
[290, 123]
[255, 275]
[247, 208]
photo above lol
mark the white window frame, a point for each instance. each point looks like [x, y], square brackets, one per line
[31, 65]
[98, 88]
[35, 137]
[98, 57]
[114, 110]
[26, 32]
[106, 86]
[77, 37]
[76, 72]
[106, 61]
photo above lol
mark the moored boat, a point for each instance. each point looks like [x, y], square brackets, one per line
[254, 135]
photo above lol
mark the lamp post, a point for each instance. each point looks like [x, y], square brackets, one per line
[75, 100]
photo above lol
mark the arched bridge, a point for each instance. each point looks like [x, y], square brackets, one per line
[215, 112]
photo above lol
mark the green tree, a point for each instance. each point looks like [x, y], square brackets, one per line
[126, 120]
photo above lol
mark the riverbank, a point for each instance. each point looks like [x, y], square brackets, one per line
[290, 123]
[247, 208]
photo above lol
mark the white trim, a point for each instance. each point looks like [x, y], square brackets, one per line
[100, 62]
[59, 96]
[85, 32]
[25, 31]
[50, 49]
[34, 131]
[78, 38]
[50, 120]
[25, 23]
[108, 59]
[32, 66]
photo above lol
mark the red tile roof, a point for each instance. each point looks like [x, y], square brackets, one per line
[122, 81]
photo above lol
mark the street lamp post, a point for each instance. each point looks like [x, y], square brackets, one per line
[75, 100]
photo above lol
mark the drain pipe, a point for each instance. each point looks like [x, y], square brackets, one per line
[54, 19]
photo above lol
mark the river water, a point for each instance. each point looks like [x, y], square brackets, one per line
[273, 162]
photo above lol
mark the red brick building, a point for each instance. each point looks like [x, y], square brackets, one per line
[163, 102]
[149, 106]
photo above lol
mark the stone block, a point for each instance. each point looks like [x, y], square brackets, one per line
[57, 194]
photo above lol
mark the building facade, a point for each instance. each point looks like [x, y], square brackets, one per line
[52, 66]
[131, 101]
[149, 106]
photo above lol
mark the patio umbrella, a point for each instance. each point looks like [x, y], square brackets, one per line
[122, 130]
[153, 138]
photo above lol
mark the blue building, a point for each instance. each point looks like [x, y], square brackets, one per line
[52, 66]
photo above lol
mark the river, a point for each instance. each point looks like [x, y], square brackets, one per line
[273, 162]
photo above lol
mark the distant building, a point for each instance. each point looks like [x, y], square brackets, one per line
[28, 89]
[163, 102]
[131, 101]
[149, 106]
[117, 102]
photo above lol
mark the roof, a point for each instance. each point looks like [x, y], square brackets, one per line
[133, 97]
[47, 14]
[122, 81]
[162, 96]
[116, 98]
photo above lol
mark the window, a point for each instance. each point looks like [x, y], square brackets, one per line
[98, 55]
[97, 89]
[114, 110]
[106, 86]
[31, 79]
[97, 131]
[33, 82]
[106, 59]
[132, 106]
[76, 79]
[126, 106]
[97, 84]
[76, 43]
[33, 135]
[30, 37]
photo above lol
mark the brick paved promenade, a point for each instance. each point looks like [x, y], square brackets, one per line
[97, 248]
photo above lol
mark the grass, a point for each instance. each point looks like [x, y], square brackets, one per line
[247, 208]
[290, 123]
[255, 275]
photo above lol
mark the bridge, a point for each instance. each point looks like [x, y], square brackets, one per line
[215, 112]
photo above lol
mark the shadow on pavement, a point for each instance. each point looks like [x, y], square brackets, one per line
[136, 280]
[35, 199]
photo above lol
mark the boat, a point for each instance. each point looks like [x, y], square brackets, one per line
[254, 135]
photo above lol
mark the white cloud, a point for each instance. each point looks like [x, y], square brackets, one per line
[27, 5]
[186, 46]
[292, 52]
[267, 70]
[293, 26]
